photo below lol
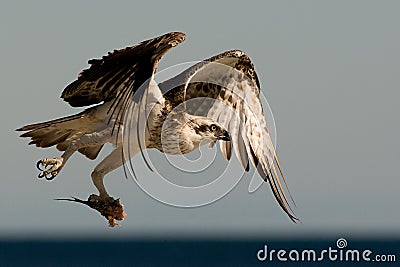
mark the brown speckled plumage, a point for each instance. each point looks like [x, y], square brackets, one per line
[236, 88]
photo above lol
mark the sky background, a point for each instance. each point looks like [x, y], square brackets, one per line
[330, 71]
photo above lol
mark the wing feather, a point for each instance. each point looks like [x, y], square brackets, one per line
[230, 78]
[112, 73]
[119, 75]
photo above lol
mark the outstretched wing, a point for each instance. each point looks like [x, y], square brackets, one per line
[228, 89]
[117, 76]
[120, 71]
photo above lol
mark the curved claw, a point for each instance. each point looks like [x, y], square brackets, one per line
[43, 174]
[38, 165]
[49, 168]
[52, 176]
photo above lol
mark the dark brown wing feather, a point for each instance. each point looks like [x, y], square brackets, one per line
[121, 70]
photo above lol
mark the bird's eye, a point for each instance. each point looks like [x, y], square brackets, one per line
[213, 127]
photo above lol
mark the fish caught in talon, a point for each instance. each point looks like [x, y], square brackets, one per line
[112, 209]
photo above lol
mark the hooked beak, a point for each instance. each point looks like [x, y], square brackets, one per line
[225, 136]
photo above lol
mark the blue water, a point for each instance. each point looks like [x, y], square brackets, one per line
[179, 253]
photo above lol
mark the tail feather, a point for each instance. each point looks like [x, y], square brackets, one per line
[37, 126]
[60, 132]
[47, 137]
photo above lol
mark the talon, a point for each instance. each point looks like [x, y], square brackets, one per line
[48, 176]
[51, 172]
[52, 176]
[39, 164]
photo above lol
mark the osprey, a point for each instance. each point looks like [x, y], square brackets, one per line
[130, 105]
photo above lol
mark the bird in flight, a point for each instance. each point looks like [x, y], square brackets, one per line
[130, 110]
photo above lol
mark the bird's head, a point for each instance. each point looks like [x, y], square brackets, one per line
[183, 132]
[208, 129]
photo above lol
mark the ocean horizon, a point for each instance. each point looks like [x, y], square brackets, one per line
[200, 252]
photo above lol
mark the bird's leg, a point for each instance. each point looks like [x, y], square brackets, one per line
[109, 207]
[93, 139]
[57, 163]
[113, 161]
